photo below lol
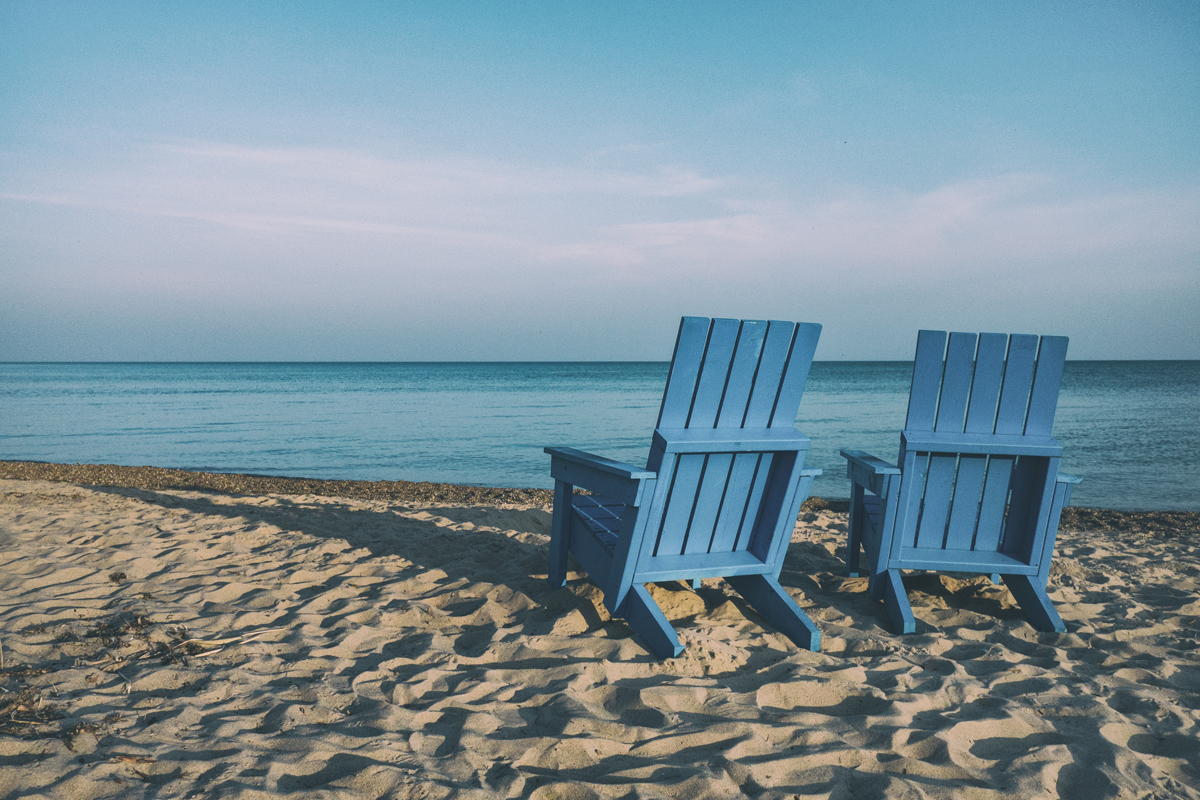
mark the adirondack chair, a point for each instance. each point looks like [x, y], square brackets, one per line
[977, 487]
[721, 489]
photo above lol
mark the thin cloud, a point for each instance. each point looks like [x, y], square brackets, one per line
[662, 217]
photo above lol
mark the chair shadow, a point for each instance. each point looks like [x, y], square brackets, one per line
[466, 555]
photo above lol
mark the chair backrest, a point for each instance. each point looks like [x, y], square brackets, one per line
[728, 373]
[984, 407]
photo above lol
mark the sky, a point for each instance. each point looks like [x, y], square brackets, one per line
[447, 181]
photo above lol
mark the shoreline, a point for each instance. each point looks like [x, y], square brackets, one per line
[1156, 523]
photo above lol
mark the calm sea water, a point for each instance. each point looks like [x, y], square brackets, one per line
[1131, 429]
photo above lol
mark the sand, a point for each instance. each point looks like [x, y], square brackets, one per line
[179, 642]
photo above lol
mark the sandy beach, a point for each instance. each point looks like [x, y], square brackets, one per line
[171, 634]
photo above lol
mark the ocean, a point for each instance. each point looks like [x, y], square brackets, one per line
[1130, 429]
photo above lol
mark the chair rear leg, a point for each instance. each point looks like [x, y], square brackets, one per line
[854, 539]
[896, 600]
[560, 532]
[649, 622]
[777, 607]
[1031, 596]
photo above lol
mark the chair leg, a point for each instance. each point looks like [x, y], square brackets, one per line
[854, 538]
[560, 531]
[1032, 598]
[896, 600]
[649, 622]
[876, 584]
[777, 607]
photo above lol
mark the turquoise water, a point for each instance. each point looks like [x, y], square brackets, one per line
[1130, 428]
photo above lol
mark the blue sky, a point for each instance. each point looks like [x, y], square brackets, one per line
[562, 181]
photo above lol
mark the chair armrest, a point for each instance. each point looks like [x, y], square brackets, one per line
[867, 471]
[622, 482]
[1066, 484]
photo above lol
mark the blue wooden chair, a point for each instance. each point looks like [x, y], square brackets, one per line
[721, 489]
[977, 488]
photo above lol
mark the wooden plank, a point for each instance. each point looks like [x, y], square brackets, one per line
[912, 490]
[961, 561]
[648, 622]
[560, 530]
[741, 374]
[993, 504]
[780, 530]
[1043, 400]
[981, 444]
[931, 530]
[985, 386]
[729, 440]
[1041, 501]
[710, 388]
[622, 489]
[1018, 377]
[956, 383]
[703, 565]
[680, 503]
[787, 404]
[1062, 490]
[708, 503]
[896, 601]
[685, 369]
[1016, 522]
[858, 522]
[799, 494]
[964, 511]
[926, 381]
[754, 502]
[1031, 597]
[590, 554]
[767, 381]
[742, 473]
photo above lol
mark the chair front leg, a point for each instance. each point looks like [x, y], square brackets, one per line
[560, 532]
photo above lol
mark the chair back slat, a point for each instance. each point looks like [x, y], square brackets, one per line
[956, 382]
[993, 503]
[939, 483]
[1043, 400]
[681, 499]
[712, 491]
[743, 473]
[964, 509]
[926, 381]
[714, 374]
[985, 388]
[1018, 378]
[803, 347]
[685, 368]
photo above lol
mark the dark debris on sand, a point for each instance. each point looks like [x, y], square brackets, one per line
[156, 478]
